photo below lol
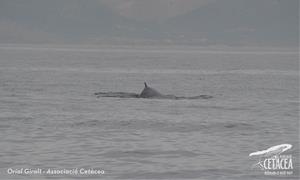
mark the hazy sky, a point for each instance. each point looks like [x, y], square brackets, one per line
[190, 21]
[154, 10]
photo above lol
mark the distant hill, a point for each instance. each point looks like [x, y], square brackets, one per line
[69, 19]
[228, 22]
[264, 21]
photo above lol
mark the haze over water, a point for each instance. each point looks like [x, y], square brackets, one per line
[49, 117]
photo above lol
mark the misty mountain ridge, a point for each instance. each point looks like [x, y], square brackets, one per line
[230, 22]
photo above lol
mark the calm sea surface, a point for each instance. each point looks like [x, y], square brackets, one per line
[50, 119]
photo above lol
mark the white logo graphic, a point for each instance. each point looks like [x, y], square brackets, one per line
[273, 162]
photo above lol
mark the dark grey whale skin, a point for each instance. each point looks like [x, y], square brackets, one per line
[148, 93]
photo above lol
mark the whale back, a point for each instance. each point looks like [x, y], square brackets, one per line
[149, 92]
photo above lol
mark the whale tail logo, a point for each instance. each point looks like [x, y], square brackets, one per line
[271, 152]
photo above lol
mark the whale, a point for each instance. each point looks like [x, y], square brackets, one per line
[148, 93]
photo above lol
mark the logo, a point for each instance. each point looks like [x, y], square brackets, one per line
[273, 162]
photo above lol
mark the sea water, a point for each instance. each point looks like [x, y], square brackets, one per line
[50, 118]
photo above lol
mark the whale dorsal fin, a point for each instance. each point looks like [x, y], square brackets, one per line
[149, 92]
